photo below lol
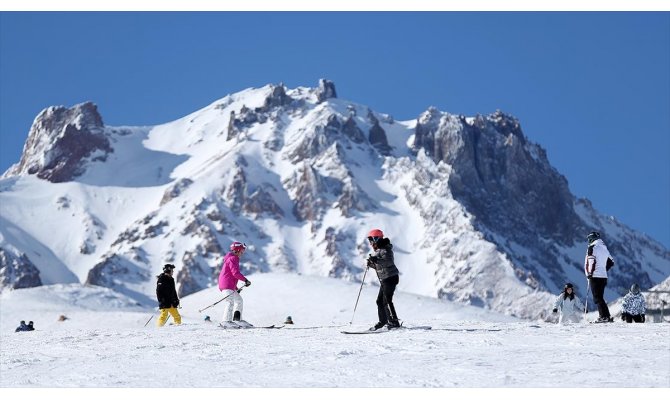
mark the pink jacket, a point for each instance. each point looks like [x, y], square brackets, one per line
[230, 272]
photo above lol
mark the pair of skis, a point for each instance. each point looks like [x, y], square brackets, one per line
[382, 330]
[252, 327]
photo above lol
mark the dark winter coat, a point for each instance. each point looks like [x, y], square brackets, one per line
[382, 260]
[166, 292]
[21, 328]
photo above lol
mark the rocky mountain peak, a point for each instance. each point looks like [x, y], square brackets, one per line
[498, 175]
[59, 140]
[326, 90]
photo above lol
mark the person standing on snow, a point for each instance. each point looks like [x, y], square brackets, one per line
[633, 307]
[230, 274]
[389, 277]
[166, 293]
[598, 262]
[569, 305]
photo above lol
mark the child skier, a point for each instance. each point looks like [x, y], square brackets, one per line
[634, 306]
[230, 274]
[168, 301]
[569, 305]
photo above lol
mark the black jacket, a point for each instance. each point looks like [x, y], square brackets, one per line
[166, 292]
[383, 261]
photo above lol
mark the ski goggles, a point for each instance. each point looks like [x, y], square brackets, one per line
[373, 239]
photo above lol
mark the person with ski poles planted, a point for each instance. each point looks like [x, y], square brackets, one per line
[383, 263]
[228, 278]
[569, 305]
[596, 265]
[166, 293]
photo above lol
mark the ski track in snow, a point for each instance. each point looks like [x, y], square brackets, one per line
[474, 354]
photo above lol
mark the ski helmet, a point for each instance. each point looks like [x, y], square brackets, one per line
[168, 268]
[568, 286]
[635, 288]
[238, 246]
[593, 236]
[375, 233]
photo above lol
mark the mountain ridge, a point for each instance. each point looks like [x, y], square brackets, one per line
[475, 210]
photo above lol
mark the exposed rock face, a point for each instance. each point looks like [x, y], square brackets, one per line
[308, 187]
[248, 117]
[326, 90]
[340, 267]
[104, 273]
[17, 272]
[499, 176]
[59, 141]
[175, 190]
[377, 136]
[352, 131]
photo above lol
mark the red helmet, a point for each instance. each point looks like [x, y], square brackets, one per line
[376, 233]
[238, 246]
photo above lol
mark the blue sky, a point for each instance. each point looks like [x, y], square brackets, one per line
[593, 89]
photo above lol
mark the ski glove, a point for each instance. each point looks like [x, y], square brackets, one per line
[590, 276]
[247, 282]
[555, 310]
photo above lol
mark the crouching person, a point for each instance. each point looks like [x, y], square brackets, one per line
[569, 305]
[166, 293]
[634, 306]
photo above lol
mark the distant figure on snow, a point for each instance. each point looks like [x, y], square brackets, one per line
[62, 318]
[634, 306]
[166, 293]
[228, 278]
[382, 261]
[569, 306]
[598, 261]
[22, 327]
[289, 321]
[30, 326]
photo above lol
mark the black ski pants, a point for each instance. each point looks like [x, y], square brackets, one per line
[630, 318]
[385, 308]
[598, 291]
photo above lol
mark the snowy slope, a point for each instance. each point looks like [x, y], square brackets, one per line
[104, 344]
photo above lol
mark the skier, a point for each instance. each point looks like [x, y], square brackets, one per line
[569, 305]
[388, 274]
[230, 274]
[22, 327]
[598, 261]
[30, 326]
[168, 301]
[634, 306]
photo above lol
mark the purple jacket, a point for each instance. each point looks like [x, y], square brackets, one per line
[230, 272]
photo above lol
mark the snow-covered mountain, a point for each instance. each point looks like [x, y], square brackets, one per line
[475, 211]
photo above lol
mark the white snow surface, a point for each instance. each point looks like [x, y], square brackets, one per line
[104, 344]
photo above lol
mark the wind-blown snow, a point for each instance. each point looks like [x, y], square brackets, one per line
[104, 343]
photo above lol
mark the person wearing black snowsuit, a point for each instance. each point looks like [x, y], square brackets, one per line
[383, 262]
[30, 326]
[166, 293]
[22, 327]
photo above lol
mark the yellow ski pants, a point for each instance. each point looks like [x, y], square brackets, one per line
[164, 316]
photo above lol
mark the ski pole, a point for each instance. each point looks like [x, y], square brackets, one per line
[150, 318]
[586, 298]
[359, 295]
[212, 305]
